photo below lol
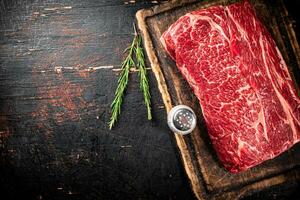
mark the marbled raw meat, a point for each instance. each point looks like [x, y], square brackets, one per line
[248, 99]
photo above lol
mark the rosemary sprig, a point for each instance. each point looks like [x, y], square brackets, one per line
[122, 84]
[144, 85]
[134, 48]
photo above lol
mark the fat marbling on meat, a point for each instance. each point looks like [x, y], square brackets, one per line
[248, 99]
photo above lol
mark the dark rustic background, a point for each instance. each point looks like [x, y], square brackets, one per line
[59, 64]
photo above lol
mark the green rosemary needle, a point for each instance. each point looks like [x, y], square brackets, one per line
[122, 84]
[144, 85]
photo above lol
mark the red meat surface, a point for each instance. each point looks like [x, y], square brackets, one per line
[248, 99]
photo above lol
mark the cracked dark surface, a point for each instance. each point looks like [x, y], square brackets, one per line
[59, 63]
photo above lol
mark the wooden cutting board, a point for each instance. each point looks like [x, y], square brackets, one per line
[209, 180]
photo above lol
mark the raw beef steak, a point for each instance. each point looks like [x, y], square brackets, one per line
[248, 99]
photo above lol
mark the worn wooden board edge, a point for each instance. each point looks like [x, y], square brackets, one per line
[290, 176]
[141, 15]
[191, 171]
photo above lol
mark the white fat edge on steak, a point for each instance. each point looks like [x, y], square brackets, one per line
[244, 34]
[286, 107]
[195, 17]
[283, 66]
[173, 30]
[241, 30]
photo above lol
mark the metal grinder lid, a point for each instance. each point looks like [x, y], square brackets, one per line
[182, 119]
